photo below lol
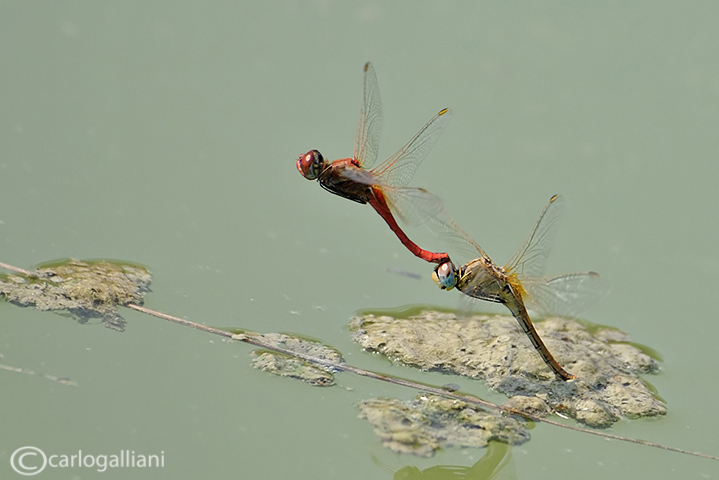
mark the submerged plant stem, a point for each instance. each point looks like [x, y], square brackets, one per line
[5, 266]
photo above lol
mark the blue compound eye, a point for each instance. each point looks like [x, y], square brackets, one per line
[445, 276]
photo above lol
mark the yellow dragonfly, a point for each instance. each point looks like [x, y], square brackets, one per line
[520, 283]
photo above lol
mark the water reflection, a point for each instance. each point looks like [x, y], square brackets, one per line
[496, 464]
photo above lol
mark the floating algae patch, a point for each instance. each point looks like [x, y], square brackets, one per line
[288, 366]
[430, 422]
[87, 289]
[494, 348]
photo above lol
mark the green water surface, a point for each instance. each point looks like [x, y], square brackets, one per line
[166, 134]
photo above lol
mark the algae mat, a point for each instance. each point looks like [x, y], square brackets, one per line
[493, 348]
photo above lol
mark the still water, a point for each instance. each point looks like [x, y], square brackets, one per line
[167, 133]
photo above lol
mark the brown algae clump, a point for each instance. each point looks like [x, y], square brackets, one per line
[429, 422]
[86, 289]
[494, 348]
[285, 365]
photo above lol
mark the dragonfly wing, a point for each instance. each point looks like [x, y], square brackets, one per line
[370, 120]
[414, 206]
[399, 169]
[565, 295]
[417, 206]
[530, 259]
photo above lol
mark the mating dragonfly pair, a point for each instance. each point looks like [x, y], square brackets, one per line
[517, 285]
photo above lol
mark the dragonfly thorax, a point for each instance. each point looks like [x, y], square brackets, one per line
[481, 278]
[342, 177]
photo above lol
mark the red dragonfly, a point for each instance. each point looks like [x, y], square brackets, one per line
[520, 281]
[384, 186]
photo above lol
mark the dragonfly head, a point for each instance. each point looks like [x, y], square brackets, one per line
[446, 276]
[311, 164]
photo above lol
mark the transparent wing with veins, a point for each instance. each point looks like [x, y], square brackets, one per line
[370, 120]
[566, 295]
[399, 169]
[416, 206]
[531, 258]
